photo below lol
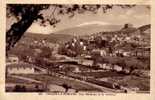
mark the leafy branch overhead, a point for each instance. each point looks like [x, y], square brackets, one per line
[26, 14]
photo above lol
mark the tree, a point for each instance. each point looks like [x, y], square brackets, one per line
[133, 64]
[66, 86]
[26, 14]
[98, 42]
[130, 63]
[46, 52]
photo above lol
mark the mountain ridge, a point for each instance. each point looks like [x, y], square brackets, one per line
[67, 34]
[89, 29]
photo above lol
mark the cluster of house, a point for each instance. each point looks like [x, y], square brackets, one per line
[34, 42]
[88, 45]
[15, 66]
[45, 43]
[89, 65]
[14, 71]
[76, 42]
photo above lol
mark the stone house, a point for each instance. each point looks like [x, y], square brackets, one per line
[12, 60]
[25, 68]
[86, 62]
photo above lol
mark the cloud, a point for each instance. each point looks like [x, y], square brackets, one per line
[94, 22]
[142, 16]
[130, 12]
[36, 28]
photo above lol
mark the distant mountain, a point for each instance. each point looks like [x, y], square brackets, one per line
[53, 38]
[67, 34]
[128, 28]
[145, 27]
[89, 29]
[146, 31]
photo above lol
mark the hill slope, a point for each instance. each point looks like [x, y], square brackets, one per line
[53, 38]
[89, 29]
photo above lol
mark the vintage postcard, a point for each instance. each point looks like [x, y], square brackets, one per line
[77, 49]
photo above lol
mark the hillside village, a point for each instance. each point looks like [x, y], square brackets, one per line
[108, 61]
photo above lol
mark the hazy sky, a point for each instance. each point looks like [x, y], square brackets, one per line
[138, 15]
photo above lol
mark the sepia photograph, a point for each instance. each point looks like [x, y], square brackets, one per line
[78, 48]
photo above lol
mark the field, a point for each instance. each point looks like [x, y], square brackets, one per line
[101, 74]
[133, 81]
[60, 81]
[129, 81]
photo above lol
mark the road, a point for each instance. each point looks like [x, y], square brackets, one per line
[25, 78]
[103, 89]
